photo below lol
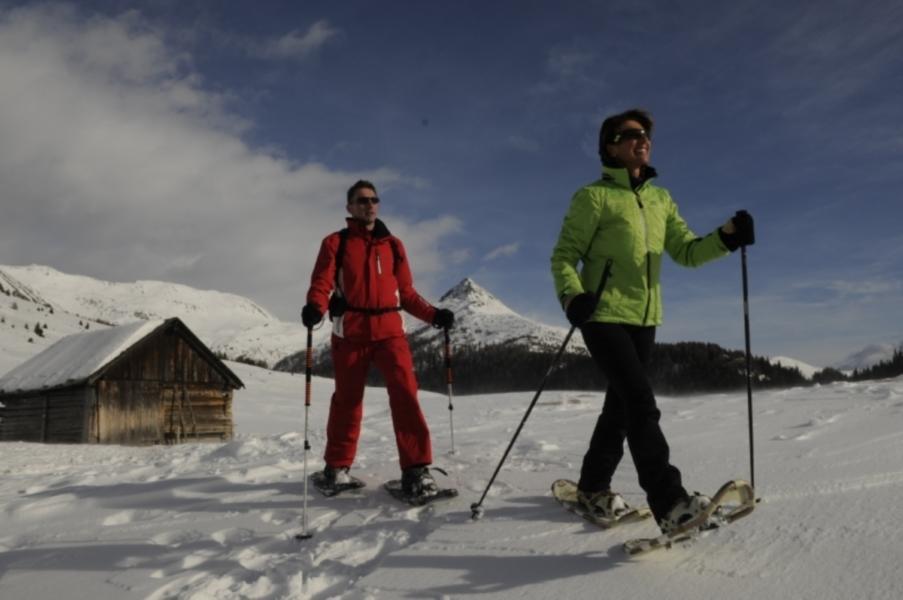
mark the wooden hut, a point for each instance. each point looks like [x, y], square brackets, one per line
[144, 383]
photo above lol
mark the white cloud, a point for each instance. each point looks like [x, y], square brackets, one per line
[297, 45]
[523, 144]
[117, 163]
[566, 67]
[460, 256]
[503, 251]
[569, 62]
[421, 242]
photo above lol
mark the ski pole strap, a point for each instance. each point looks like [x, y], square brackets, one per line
[373, 311]
[448, 364]
[308, 368]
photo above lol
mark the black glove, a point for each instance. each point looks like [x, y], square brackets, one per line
[444, 318]
[310, 315]
[337, 306]
[744, 231]
[581, 308]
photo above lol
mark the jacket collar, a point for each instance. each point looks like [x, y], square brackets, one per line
[620, 177]
[379, 228]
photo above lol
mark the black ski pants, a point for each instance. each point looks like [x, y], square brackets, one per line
[622, 352]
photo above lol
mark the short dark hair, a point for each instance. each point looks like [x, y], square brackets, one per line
[611, 125]
[359, 184]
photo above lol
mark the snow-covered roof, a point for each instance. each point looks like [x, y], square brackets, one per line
[75, 358]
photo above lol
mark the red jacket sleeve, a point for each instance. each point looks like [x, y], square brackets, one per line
[411, 301]
[322, 280]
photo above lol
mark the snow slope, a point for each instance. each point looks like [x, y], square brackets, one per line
[207, 521]
[227, 323]
[805, 369]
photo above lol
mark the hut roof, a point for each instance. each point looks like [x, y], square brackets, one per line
[84, 357]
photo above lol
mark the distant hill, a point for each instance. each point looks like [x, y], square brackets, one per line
[869, 356]
[807, 370]
[231, 325]
[495, 348]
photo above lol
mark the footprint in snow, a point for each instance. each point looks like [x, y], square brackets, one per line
[174, 539]
[232, 536]
[45, 507]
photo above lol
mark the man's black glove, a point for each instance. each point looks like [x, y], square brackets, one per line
[337, 306]
[744, 233]
[581, 308]
[310, 315]
[444, 318]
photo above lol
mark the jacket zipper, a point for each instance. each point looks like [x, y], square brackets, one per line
[648, 261]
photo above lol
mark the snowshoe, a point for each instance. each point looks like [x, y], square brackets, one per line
[688, 510]
[604, 509]
[734, 500]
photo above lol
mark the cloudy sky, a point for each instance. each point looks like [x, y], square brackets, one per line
[210, 144]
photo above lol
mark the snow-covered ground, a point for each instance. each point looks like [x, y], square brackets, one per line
[217, 520]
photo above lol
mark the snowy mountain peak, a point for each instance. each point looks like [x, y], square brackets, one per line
[483, 319]
[469, 296]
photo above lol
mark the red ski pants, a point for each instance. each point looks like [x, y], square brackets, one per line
[351, 362]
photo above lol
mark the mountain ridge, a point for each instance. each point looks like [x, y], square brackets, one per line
[240, 329]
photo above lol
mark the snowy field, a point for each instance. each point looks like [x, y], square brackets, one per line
[217, 520]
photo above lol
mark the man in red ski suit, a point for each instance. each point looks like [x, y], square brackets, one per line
[362, 277]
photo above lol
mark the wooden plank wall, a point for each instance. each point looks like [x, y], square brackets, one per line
[129, 412]
[197, 414]
[52, 417]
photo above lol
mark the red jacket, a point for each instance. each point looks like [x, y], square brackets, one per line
[374, 278]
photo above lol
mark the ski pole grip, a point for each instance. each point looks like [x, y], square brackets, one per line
[748, 225]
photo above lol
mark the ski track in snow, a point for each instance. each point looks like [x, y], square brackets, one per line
[203, 521]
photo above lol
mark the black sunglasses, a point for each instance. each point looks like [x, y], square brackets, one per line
[364, 200]
[631, 134]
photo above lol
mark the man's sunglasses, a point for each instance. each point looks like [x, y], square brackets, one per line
[631, 134]
[364, 200]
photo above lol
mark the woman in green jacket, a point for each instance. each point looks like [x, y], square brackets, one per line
[625, 218]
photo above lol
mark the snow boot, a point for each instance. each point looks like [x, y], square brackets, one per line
[686, 510]
[605, 504]
[336, 477]
[417, 482]
[332, 481]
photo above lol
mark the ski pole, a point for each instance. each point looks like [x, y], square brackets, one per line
[477, 507]
[749, 400]
[448, 380]
[308, 368]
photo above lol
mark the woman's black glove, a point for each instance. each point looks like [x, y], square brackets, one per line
[581, 307]
[444, 318]
[310, 315]
[739, 231]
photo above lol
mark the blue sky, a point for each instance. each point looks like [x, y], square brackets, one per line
[210, 143]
